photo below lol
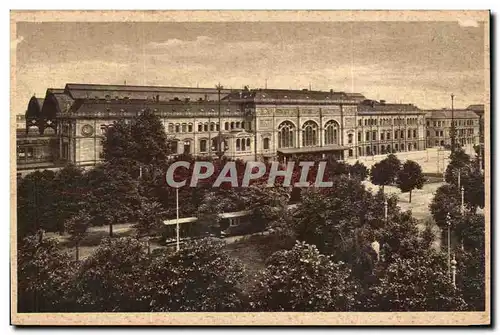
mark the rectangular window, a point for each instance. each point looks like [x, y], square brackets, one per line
[183, 127]
[374, 135]
[367, 137]
[437, 133]
[414, 133]
[360, 123]
[200, 127]
[359, 136]
[177, 128]
[381, 136]
[388, 136]
[205, 127]
[409, 133]
[190, 128]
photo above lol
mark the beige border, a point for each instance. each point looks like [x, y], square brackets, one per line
[347, 318]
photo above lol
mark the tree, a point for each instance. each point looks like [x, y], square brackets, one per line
[148, 219]
[111, 279]
[446, 201]
[35, 210]
[303, 280]
[69, 194]
[418, 283]
[113, 195]
[385, 172]
[148, 134]
[119, 147]
[359, 170]
[76, 227]
[474, 192]
[410, 177]
[44, 273]
[459, 162]
[201, 277]
[138, 145]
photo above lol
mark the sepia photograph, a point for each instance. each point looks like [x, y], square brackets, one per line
[250, 167]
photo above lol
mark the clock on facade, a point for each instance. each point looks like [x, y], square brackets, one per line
[87, 130]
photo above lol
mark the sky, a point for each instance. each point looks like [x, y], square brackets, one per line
[409, 62]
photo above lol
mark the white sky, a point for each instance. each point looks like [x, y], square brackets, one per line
[411, 62]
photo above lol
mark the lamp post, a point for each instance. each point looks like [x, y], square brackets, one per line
[448, 223]
[454, 272]
[385, 209]
[220, 151]
[462, 208]
[459, 170]
[452, 124]
[177, 220]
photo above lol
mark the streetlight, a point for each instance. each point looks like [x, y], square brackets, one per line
[385, 209]
[177, 220]
[448, 223]
[462, 208]
[459, 170]
[452, 124]
[220, 151]
[454, 272]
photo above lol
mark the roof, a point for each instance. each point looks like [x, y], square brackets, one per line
[375, 106]
[162, 107]
[284, 95]
[447, 114]
[476, 108]
[305, 150]
[117, 92]
[181, 221]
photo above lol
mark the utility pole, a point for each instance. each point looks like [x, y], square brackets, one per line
[452, 124]
[220, 152]
[177, 220]
[448, 223]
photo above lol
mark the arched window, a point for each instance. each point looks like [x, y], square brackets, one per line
[205, 127]
[331, 132]
[243, 144]
[232, 125]
[368, 151]
[396, 147]
[402, 147]
[359, 151]
[190, 127]
[203, 145]
[237, 125]
[226, 126]
[382, 149]
[200, 127]
[309, 134]
[266, 144]
[286, 137]
[243, 124]
[389, 148]
[184, 127]
[212, 126]
[238, 144]
[170, 127]
[409, 146]
[248, 143]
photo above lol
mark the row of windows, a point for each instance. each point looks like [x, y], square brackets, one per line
[462, 141]
[387, 121]
[286, 134]
[460, 132]
[448, 123]
[373, 150]
[203, 127]
[411, 133]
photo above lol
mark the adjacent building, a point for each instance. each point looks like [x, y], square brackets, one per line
[440, 122]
